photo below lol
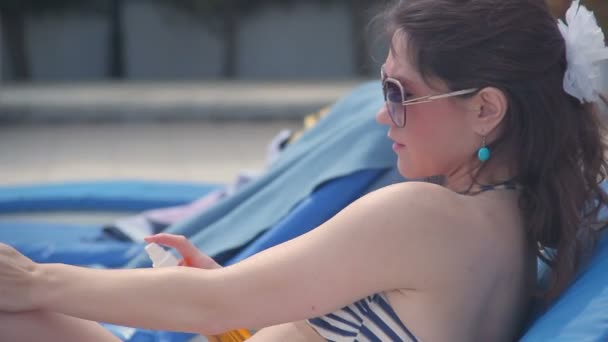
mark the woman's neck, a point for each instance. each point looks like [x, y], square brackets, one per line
[464, 179]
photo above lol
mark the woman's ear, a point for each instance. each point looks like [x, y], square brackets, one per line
[492, 107]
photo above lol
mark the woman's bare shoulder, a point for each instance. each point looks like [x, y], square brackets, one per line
[444, 228]
[428, 204]
[423, 201]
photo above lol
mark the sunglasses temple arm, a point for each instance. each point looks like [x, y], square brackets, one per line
[416, 101]
[456, 93]
[437, 97]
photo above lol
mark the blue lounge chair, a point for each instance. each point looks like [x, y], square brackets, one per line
[83, 243]
[581, 313]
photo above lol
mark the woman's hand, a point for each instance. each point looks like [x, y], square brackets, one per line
[17, 278]
[191, 256]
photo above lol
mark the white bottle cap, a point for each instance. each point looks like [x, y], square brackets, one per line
[160, 257]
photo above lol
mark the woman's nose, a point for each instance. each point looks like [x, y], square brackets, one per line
[382, 116]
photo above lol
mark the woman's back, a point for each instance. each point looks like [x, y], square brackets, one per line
[488, 298]
[485, 275]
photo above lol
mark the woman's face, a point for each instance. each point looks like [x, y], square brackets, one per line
[437, 138]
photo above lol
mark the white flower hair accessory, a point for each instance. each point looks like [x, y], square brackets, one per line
[585, 48]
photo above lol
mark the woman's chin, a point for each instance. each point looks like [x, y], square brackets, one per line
[409, 172]
[406, 171]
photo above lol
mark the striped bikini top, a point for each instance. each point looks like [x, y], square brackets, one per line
[369, 319]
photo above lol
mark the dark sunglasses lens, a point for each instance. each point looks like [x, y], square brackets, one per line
[394, 103]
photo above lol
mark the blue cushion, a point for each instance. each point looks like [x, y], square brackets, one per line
[581, 313]
[129, 195]
[319, 207]
[66, 243]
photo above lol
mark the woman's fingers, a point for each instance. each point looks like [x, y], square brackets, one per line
[191, 255]
[179, 242]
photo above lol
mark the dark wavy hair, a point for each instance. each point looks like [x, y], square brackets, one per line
[554, 142]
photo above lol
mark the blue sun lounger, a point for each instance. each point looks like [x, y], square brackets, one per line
[83, 243]
[581, 313]
[116, 196]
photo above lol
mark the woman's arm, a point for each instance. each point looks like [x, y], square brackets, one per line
[393, 238]
[172, 298]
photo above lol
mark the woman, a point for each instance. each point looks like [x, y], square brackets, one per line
[474, 98]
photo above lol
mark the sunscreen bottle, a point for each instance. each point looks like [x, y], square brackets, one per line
[162, 258]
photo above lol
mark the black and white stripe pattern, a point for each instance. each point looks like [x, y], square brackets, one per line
[370, 319]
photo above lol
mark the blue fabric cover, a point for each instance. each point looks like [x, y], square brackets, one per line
[128, 195]
[347, 140]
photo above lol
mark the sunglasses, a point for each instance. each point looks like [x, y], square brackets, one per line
[397, 102]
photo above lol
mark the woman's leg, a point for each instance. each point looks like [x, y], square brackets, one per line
[38, 326]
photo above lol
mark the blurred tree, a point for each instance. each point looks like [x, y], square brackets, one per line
[359, 18]
[559, 7]
[12, 24]
[361, 13]
[116, 41]
[223, 18]
[599, 7]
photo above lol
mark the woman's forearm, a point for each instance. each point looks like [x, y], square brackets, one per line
[175, 298]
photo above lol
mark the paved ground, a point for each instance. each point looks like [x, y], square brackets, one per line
[191, 131]
[209, 151]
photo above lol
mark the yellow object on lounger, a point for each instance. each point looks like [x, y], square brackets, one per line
[231, 336]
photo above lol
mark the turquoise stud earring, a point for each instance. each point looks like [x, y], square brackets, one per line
[484, 152]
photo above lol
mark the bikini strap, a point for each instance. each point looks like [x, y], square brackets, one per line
[508, 185]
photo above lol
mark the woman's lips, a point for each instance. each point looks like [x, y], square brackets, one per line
[396, 146]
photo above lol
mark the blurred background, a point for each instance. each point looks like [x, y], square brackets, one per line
[169, 89]
[174, 89]
[76, 40]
